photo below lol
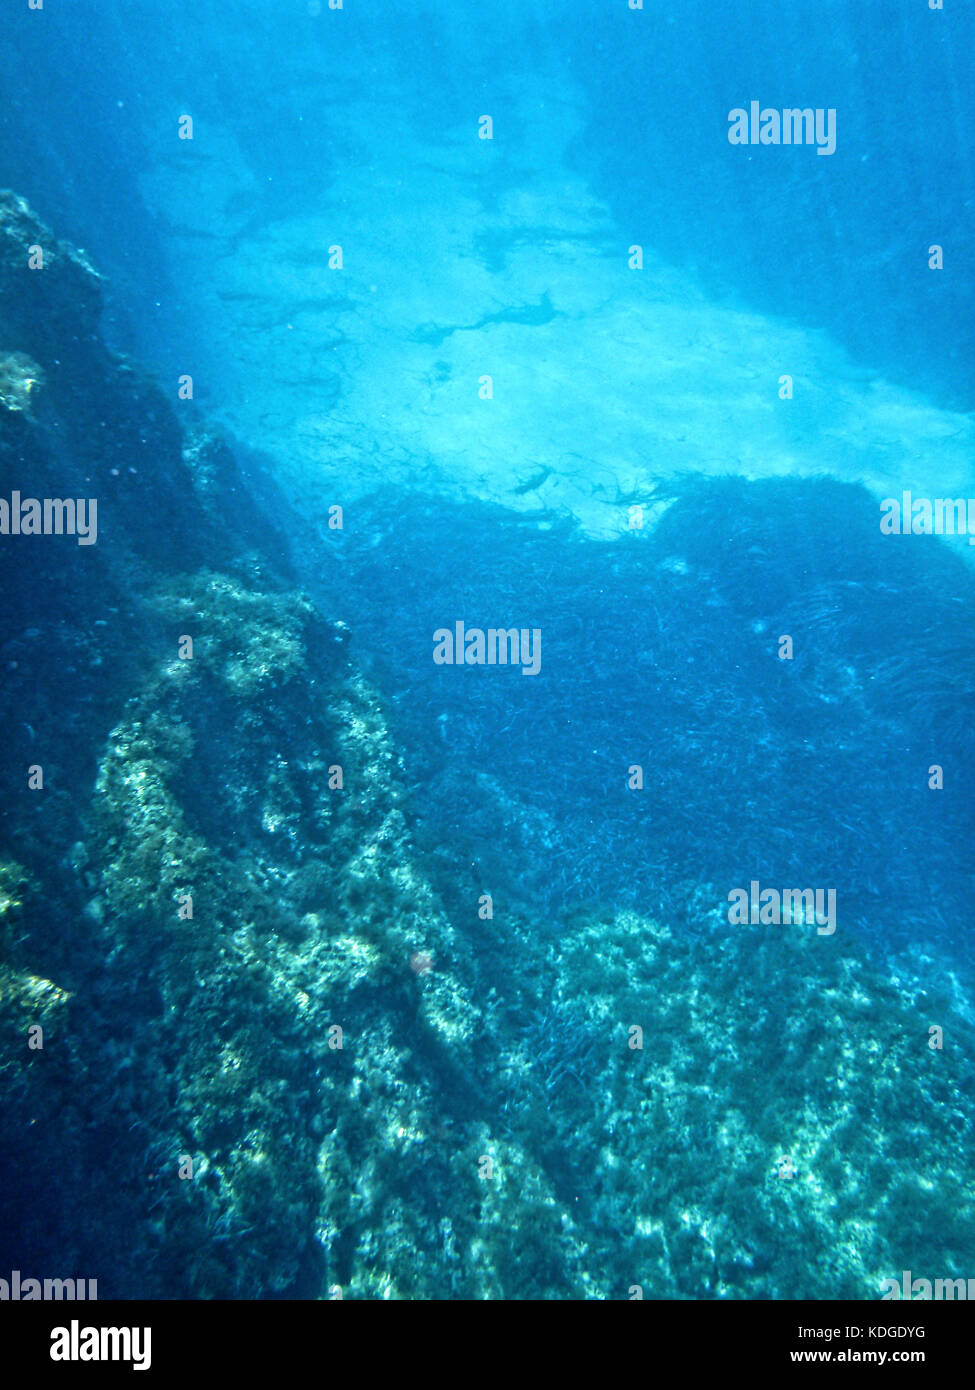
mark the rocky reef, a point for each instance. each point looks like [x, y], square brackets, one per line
[280, 1054]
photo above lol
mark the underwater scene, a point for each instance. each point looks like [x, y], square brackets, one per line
[487, 555]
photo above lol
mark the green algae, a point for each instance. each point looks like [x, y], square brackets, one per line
[20, 381]
[250, 640]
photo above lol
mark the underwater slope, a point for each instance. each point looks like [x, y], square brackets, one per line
[464, 259]
[486, 1128]
[661, 650]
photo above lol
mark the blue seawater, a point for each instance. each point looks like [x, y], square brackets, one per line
[559, 418]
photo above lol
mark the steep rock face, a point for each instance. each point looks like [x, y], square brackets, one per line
[260, 1073]
[188, 906]
[51, 293]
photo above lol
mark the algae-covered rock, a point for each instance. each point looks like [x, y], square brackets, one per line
[13, 882]
[252, 640]
[49, 291]
[272, 921]
[20, 380]
[746, 1137]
